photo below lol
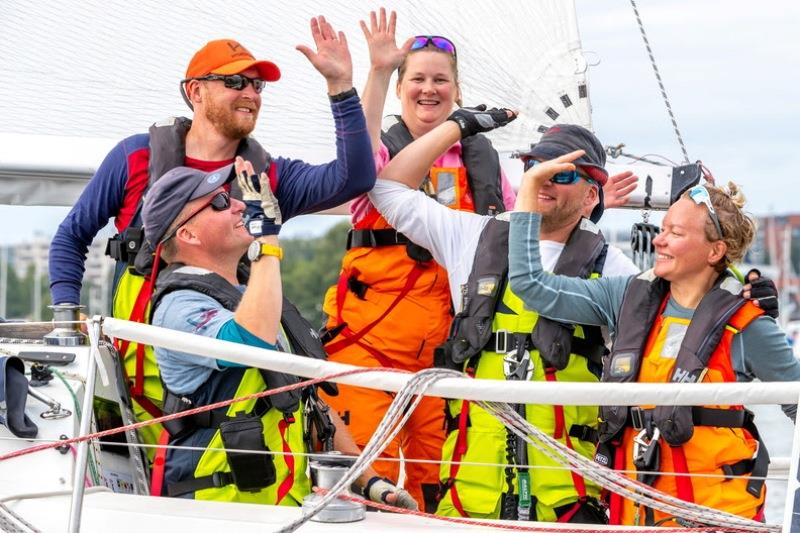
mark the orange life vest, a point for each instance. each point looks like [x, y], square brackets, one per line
[724, 443]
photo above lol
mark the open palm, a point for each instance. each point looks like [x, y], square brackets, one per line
[332, 57]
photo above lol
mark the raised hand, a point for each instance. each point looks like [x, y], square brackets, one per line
[762, 292]
[380, 36]
[618, 188]
[262, 213]
[332, 58]
[538, 175]
[472, 120]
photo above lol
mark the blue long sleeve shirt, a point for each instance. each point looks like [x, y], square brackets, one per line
[759, 351]
[117, 187]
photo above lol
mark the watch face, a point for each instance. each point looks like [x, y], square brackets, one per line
[254, 251]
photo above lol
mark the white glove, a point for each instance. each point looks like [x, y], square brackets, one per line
[378, 489]
[262, 211]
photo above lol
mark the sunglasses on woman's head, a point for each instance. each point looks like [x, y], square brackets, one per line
[700, 195]
[442, 43]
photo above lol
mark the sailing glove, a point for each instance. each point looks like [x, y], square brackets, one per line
[763, 291]
[472, 120]
[378, 489]
[262, 214]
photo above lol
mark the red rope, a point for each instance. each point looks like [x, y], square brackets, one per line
[225, 403]
[514, 527]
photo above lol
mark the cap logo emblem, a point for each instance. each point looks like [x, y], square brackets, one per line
[233, 45]
[213, 178]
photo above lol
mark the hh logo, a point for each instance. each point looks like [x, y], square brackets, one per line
[234, 46]
[683, 376]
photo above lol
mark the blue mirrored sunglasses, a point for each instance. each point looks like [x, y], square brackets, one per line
[569, 177]
[236, 82]
[442, 43]
[700, 195]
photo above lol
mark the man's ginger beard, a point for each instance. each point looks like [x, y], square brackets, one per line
[225, 121]
[560, 217]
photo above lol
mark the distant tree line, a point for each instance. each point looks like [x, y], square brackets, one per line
[310, 266]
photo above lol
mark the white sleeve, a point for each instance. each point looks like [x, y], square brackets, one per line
[448, 234]
[618, 264]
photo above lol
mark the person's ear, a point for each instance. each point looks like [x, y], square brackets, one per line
[717, 252]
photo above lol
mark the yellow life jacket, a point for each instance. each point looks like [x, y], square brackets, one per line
[475, 436]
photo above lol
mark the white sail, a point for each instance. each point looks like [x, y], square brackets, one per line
[80, 76]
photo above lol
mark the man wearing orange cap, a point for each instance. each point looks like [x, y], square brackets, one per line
[222, 86]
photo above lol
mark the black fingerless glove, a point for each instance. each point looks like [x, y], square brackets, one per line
[472, 120]
[764, 291]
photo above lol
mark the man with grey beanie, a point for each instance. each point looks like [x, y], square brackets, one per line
[194, 225]
[494, 336]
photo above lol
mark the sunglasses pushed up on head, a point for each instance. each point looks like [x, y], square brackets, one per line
[700, 195]
[442, 43]
[568, 177]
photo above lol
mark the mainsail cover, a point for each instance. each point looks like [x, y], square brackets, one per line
[78, 77]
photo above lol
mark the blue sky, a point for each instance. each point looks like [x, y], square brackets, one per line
[731, 69]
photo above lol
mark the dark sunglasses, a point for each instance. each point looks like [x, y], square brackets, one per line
[219, 202]
[569, 177]
[442, 43]
[235, 81]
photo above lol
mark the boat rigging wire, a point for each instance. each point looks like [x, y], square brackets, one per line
[660, 83]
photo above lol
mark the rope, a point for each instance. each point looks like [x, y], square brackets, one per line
[201, 409]
[612, 480]
[660, 83]
[403, 460]
[401, 408]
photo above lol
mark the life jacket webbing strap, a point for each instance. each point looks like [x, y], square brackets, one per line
[566, 517]
[683, 483]
[351, 338]
[558, 432]
[159, 462]
[615, 500]
[287, 484]
[382, 359]
[137, 315]
[458, 453]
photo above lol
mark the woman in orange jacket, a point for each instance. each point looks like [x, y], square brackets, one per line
[391, 306]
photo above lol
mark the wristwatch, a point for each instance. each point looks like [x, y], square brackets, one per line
[258, 249]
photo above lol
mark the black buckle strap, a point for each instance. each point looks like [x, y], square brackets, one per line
[124, 246]
[174, 403]
[215, 480]
[701, 416]
[374, 238]
[584, 433]
[504, 341]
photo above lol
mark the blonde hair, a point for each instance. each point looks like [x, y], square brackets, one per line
[401, 70]
[738, 228]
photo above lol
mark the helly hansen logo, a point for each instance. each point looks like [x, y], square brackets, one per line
[234, 46]
[683, 376]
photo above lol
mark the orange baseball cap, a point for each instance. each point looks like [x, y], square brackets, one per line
[226, 56]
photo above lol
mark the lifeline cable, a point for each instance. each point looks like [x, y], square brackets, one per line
[201, 409]
[516, 527]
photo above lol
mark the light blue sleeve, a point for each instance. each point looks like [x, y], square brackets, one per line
[561, 298]
[190, 312]
[761, 351]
